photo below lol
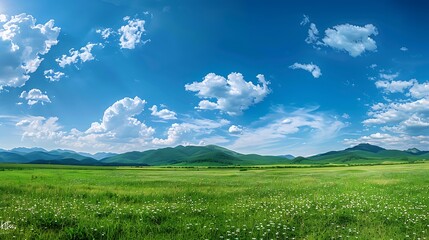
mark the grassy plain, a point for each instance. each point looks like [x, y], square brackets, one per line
[359, 202]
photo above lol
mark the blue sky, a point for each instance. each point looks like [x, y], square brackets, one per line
[254, 76]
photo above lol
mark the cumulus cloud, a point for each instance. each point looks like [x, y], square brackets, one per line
[40, 128]
[396, 111]
[164, 114]
[395, 86]
[192, 129]
[118, 130]
[355, 40]
[311, 68]
[131, 33]
[53, 76]
[35, 96]
[119, 121]
[22, 43]
[3, 18]
[105, 32]
[232, 95]
[350, 38]
[401, 122]
[233, 129]
[75, 56]
[420, 90]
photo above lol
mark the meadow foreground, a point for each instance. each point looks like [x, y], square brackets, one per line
[361, 202]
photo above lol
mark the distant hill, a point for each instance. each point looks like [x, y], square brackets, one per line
[21, 150]
[210, 155]
[288, 156]
[366, 153]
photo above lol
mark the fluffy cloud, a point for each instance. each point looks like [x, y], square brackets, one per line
[232, 95]
[311, 68]
[395, 86]
[353, 39]
[164, 114]
[119, 121]
[131, 33]
[119, 129]
[345, 37]
[191, 130]
[350, 38]
[235, 129]
[396, 111]
[35, 96]
[404, 49]
[420, 90]
[40, 128]
[402, 122]
[3, 18]
[105, 33]
[53, 76]
[22, 43]
[82, 55]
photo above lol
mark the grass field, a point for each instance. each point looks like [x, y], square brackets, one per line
[360, 202]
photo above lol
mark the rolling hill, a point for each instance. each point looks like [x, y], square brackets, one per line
[365, 153]
[210, 155]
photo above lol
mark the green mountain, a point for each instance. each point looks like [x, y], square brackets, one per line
[366, 154]
[210, 155]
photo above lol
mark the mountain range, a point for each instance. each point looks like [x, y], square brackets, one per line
[210, 155]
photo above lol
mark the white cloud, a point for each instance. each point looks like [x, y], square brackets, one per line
[82, 55]
[404, 49]
[119, 130]
[40, 128]
[3, 18]
[420, 90]
[164, 114]
[281, 129]
[350, 38]
[305, 20]
[233, 129]
[105, 33]
[345, 116]
[396, 111]
[389, 141]
[389, 76]
[313, 35]
[190, 131]
[311, 68]
[22, 43]
[232, 95]
[131, 33]
[35, 96]
[373, 65]
[395, 86]
[53, 76]
[119, 121]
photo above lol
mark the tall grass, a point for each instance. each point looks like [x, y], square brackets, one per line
[364, 202]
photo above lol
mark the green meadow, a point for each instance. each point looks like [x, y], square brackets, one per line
[358, 202]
